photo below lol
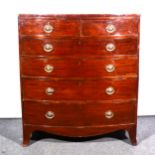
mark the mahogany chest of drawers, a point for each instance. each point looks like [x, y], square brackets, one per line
[79, 74]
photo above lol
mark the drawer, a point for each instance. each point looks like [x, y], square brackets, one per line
[83, 46]
[48, 47]
[101, 67]
[78, 114]
[110, 67]
[112, 46]
[106, 89]
[119, 26]
[50, 67]
[52, 28]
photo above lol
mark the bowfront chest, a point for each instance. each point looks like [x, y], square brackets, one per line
[79, 74]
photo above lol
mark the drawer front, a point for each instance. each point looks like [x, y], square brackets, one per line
[78, 114]
[113, 66]
[113, 46]
[53, 28]
[50, 67]
[106, 89]
[89, 46]
[39, 47]
[118, 26]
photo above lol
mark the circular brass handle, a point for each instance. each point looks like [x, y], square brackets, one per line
[109, 114]
[48, 68]
[110, 28]
[110, 90]
[48, 47]
[49, 115]
[110, 47]
[110, 68]
[48, 28]
[49, 91]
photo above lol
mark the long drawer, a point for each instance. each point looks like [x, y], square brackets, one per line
[78, 67]
[78, 114]
[82, 46]
[106, 89]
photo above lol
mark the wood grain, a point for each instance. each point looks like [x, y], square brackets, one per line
[92, 114]
[79, 47]
[79, 89]
[79, 77]
[61, 27]
[79, 67]
[98, 28]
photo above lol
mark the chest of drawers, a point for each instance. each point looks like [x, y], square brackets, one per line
[79, 74]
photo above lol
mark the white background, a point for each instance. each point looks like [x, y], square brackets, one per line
[10, 105]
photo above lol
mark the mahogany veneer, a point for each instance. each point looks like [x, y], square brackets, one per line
[87, 117]
[78, 47]
[84, 67]
[79, 89]
[79, 74]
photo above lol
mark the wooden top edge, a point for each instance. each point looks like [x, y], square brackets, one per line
[79, 16]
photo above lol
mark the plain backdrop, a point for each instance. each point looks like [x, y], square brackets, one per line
[10, 105]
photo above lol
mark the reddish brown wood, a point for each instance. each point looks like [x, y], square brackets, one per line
[98, 27]
[27, 132]
[71, 131]
[34, 47]
[61, 27]
[132, 134]
[79, 90]
[79, 76]
[97, 46]
[78, 47]
[79, 16]
[79, 67]
[91, 114]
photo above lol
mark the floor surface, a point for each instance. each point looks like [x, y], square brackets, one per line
[113, 144]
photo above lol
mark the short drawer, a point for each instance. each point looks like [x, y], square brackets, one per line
[107, 89]
[79, 114]
[99, 68]
[53, 28]
[115, 26]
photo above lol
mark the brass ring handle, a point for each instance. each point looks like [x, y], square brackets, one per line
[110, 68]
[110, 47]
[110, 28]
[48, 68]
[109, 114]
[49, 91]
[48, 47]
[48, 28]
[49, 115]
[110, 90]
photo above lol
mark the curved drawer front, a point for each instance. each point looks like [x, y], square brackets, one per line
[98, 46]
[106, 89]
[36, 47]
[120, 26]
[83, 46]
[53, 28]
[59, 67]
[114, 66]
[110, 66]
[78, 114]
